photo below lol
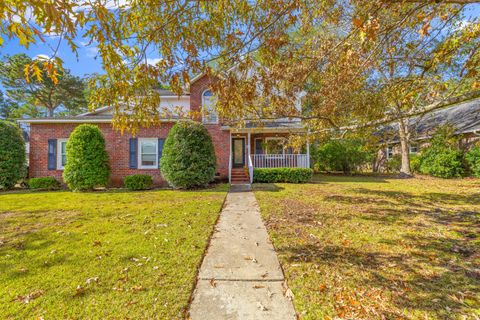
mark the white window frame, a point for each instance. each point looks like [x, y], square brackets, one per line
[59, 153]
[276, 155]
[205, 117]
[139, 153]
[413, 146]
[388, 152]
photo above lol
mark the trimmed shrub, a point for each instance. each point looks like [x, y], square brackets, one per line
[290, 175]
[443, 158]
[445, 164]
[415, 163]
[138, 182]
[87, 160]
[345, 155]
[44, 183]
[12, 155]
[188, 158]
[394, 163]
[473, 160]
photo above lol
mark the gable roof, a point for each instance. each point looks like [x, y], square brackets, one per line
[464, 117]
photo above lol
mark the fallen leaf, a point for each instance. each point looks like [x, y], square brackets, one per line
[258, 286]
[262, 307]
[289, 294]
[136, 288]
[79, 291]
[97, 243]
[29, 297]
[90, 280]
[213, 283]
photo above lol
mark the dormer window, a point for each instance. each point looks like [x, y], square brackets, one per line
[208, 108]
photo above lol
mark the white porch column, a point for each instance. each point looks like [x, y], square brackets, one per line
[230, 159]
[248, 146]
[308, 150]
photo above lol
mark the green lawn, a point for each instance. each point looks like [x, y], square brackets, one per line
[375, 248]
[103, 255]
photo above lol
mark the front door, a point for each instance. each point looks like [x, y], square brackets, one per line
[238, 152]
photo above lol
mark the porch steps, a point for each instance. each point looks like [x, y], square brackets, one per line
[239, 176]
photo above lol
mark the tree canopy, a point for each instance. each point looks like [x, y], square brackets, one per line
[352, 64]
[38, 94]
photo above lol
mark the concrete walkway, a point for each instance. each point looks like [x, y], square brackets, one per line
[240, 277]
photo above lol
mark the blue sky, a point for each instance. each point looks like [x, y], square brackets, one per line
[87, 62]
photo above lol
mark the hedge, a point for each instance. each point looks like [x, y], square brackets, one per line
[44, 183]
[443, 158]
[12, 155]
[473, 160]
[188, 158]
[290, 175]
[138, 182]
[87, 160]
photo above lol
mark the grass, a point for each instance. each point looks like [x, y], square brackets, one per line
[378, 248]
[103, 255]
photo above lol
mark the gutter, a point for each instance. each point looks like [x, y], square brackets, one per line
[53, 120]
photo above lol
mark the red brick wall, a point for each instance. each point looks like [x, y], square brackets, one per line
[117, 146]
[196, 91]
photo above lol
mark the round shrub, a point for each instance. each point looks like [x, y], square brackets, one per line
[138, 182]
[44, 183]
[473, 160]
[445, 164]
[188, 158]
[87, 160]
[12, 155]
[443, 158]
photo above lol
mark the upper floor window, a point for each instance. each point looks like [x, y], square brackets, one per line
[208, 107]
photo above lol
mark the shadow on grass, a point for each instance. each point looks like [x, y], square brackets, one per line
[411, 287]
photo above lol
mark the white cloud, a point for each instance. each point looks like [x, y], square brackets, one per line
[41, 57]
[92, 52]
[153, 61]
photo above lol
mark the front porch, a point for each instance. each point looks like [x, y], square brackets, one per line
[256, 148]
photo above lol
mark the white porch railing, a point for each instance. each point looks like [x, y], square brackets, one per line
[280, 161]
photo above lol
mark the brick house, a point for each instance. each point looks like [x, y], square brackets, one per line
[464, 117]
[238, 150]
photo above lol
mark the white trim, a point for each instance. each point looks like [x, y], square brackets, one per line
[79, 120]
[139, 153]
[203, 109]
[413, 146]
[59, 152]
[387, 153]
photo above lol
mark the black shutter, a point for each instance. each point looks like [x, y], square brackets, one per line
[52, 154]
[133, 153]
[160, 149]
[258, 146]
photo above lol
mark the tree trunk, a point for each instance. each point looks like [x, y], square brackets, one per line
[404, 149]
[50, 112]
